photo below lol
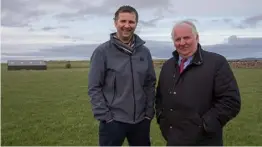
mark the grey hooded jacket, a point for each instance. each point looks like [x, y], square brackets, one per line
[121, 81]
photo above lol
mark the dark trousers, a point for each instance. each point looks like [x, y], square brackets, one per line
[114, 133]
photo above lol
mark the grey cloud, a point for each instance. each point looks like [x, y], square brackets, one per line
[249, 22]
[140, 3]
[66, 37]
[225, 20]
[46, 28]
[158, 49]
[188, 19]
[22, 13]
[73, 38]
[72, 16]
[215, 20]
[235, 40]
[49, 28]
[217, 8]
[108, 8]
[16, 19]
[239, 26]
[253, 21]
[192, 20]
[150, 23]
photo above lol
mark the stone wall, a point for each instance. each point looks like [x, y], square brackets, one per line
[246, 64]
[233, 63]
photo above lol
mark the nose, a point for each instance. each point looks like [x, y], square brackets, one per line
[182, 42]
[126, 25]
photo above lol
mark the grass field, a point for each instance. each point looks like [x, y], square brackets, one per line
[52, 108]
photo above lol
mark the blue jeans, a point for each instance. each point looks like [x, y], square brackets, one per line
[114, 133]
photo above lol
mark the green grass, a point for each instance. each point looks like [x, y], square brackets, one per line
[52, 108]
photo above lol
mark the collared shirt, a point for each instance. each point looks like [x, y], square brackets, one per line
[131, 43]
[187, 62]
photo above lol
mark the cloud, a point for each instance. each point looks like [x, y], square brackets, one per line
[150, 23]
[49, 23]
[253, 21]
[108, 8]
[22, 13]
[254, 41]
[249, 22]
[22, 36]
[218, 8]
[49, 28]
[158, 49]
[193, 20]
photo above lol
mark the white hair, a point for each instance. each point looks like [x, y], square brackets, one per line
[185, 22]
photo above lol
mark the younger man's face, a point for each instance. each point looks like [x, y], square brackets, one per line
[125, 25]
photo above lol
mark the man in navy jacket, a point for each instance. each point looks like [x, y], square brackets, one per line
[197, 93]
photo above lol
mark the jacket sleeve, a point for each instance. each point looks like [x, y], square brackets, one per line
[158, 102]
[226, 101]
[95, 83]
[159, 97]
[149, 88]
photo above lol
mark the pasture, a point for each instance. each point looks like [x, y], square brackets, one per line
[52, 108]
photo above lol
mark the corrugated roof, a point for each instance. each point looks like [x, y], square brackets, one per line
[25, 62]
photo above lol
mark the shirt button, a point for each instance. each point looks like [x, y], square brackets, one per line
[171, 109]
[174, 92]
[170, 127]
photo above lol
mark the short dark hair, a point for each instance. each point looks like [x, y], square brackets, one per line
[126, 8]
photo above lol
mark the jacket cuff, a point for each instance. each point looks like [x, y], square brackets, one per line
[105, 118]
[150, 113]
[149, 118]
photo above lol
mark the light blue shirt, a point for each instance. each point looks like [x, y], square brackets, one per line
[187, 62]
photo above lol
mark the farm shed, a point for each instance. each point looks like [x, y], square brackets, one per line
[26, 64]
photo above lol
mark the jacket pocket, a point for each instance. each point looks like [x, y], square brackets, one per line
[114, 89]
[187, 128]
[109, 88]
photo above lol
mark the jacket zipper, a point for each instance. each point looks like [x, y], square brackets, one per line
[114, 90]
[134, 117]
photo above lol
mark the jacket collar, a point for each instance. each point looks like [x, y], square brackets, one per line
[197, 56]
[136, 41]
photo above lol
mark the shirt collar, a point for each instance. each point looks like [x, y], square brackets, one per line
[188, 59]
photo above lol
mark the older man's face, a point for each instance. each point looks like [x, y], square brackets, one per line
[185, 40]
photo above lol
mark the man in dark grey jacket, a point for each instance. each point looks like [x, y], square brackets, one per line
[121, 84]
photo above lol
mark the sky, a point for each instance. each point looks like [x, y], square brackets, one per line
[31, 26]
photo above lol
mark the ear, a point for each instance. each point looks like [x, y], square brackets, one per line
[197, 37]
[115, 22]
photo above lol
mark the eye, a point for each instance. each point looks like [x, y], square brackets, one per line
[186, 37]
[131, 22]
[177, 39]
